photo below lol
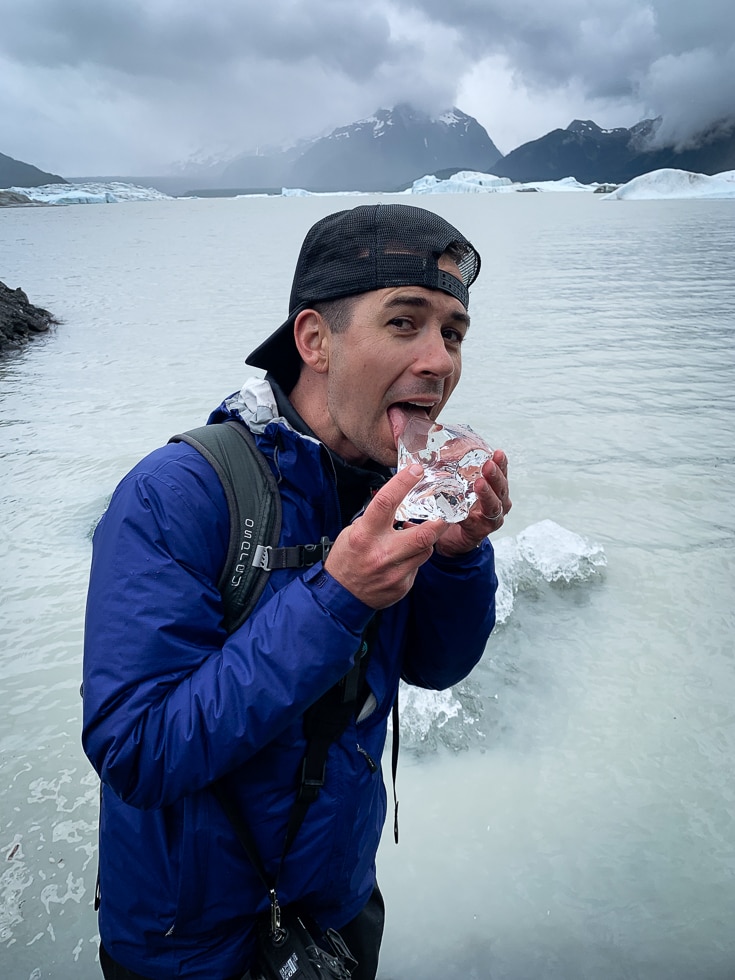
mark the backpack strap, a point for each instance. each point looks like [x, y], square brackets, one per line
[254, 504]
[324, 722]
[394, 764]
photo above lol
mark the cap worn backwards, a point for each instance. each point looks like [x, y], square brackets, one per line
[362, 249]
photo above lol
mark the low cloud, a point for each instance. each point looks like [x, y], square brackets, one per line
[144, 82]
[671, 58]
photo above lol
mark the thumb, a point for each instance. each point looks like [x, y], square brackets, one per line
[380, 513]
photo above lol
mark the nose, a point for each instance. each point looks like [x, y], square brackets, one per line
[433, 356]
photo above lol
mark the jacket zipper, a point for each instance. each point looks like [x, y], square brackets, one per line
[372, 764]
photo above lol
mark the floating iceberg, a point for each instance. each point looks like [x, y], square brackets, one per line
[300, 192]
[450, 718]
[473, 182]
[659, 184]
[92, 192]
[464, 182]
[675, 184]
[565, 185]
[543, 552]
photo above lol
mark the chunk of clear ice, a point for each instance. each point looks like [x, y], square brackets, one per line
[452, 457]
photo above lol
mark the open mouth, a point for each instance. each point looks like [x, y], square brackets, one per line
[400, 413]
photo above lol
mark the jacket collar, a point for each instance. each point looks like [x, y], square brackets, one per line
[262, 402]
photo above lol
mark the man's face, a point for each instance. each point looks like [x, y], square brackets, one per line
[400, 356]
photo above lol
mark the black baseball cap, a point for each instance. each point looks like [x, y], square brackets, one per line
[362, 249]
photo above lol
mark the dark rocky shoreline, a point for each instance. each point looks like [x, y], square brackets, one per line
[15, 199]
[20, 320]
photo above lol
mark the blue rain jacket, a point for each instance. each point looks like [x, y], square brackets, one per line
[172, 703]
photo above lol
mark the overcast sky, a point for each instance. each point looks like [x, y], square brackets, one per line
[130, 86]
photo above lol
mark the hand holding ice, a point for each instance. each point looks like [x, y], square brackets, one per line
[452, 458]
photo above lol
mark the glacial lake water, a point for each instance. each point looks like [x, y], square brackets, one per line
[569, 812]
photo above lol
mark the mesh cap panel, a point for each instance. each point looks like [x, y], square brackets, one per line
[362, 249]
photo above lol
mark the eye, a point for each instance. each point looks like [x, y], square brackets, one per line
[452, 335]
[402, 322]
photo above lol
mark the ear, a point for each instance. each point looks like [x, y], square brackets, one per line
[311, 336]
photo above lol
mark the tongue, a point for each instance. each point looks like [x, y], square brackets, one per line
[419, 422]
[398, 418]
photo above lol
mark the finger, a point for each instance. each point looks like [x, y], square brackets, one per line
[380, 514]
[489, 502]
[415, 540]
[501, 460]
[495, 473]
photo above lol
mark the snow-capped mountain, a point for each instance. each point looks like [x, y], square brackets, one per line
[205, 162]
[589, 153]
[381, 153]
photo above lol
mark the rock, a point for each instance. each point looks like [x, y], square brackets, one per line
[12, 199]
[20, 319]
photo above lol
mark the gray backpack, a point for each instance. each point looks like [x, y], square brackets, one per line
[254, 503]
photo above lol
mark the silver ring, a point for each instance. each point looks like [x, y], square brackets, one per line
[498, 517]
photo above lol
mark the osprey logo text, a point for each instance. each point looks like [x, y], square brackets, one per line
[245, 545]
[290, 967]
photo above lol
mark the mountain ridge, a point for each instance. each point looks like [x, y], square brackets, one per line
[591, 154]
[377, 153]
[16, 173]
[389, 150]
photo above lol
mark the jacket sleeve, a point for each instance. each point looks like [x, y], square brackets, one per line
[452, 616]
[171, 702]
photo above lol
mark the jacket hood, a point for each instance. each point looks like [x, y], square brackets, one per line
[256, 405]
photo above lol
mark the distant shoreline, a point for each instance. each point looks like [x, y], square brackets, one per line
[14, 199]
[657, 185]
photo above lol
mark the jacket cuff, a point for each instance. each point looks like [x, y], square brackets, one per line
[352, 612]
[470, 559]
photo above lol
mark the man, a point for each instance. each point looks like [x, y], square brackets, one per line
[378, 315]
